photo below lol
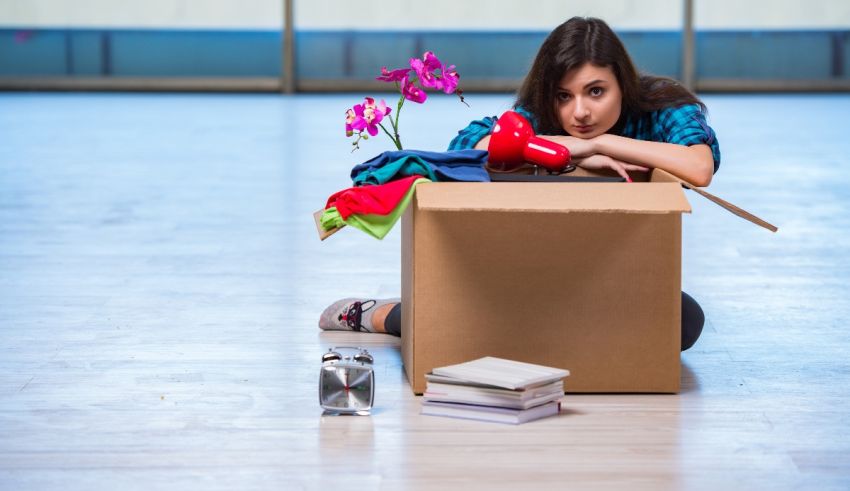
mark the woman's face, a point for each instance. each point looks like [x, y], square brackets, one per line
[588, 101]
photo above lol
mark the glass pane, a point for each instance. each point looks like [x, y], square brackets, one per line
[158, 38]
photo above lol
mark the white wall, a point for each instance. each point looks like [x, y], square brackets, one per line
[227, 14]
[488, 15]
[408, 14]
[772, 14]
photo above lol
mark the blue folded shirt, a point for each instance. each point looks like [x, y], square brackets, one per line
[457, 165]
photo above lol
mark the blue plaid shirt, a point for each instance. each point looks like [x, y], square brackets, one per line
[683, 125]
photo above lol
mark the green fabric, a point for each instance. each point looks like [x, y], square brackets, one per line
[412, 165]
[378, 226]
[332, 219]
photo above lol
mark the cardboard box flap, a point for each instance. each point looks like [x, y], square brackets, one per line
[662, 176]
[553, 197]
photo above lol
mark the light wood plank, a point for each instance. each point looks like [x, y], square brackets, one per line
[161, 280]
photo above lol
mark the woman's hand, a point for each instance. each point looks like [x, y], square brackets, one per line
[600, 161]
[578, 147]
[584, 154]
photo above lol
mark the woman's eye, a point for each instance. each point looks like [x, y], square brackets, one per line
[563, 96]
[596, 91]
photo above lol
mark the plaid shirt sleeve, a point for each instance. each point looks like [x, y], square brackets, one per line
[472, 134]
[686, 125]
[478, 129]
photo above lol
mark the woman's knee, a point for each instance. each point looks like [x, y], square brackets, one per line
[693, 319]
[392, 325]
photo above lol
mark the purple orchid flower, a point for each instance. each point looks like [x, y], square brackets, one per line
[434, 74]
[450, 79]
[426, 70]
[368, 116]
[411, 92]
[349, 121]
[394, 75]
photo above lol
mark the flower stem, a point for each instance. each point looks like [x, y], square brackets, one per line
[397, 139]
[394, 139]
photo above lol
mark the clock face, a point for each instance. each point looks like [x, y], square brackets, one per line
[344, 388]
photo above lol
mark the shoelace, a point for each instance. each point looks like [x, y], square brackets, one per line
[352, 316]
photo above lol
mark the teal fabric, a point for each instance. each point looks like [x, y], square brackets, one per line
[466, 165]
[408, 165]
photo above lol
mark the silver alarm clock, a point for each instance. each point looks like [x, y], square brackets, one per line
[347, 381]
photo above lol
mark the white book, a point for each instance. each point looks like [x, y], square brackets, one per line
[494, 401]
[502, 373]
[456, 386]
[489, 413]
[493, 396]
[441, 379]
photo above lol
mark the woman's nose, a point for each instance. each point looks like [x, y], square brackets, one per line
[581, 110]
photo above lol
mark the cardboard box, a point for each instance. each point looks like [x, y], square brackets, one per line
[582, 276]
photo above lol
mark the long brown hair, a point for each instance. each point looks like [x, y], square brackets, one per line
[583, 40]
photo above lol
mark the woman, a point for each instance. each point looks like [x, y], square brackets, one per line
[584, 92]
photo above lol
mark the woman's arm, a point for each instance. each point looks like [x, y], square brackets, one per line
[483, 143]
[471, 136]
[693, 163]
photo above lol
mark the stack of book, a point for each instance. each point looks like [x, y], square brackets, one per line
[494, 389]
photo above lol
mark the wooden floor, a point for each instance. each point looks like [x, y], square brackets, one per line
[161, 281]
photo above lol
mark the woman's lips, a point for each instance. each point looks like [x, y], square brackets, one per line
[584, 129]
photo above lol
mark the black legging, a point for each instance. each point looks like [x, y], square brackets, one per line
[692, 321]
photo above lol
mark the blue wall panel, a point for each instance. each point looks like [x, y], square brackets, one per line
[320, 55]
[24, 53]
[371, 51]
[659, 53]
[764, 55]
[86, 53]
[194, 53]
[359, 55]
[486, 55]
[844, 56]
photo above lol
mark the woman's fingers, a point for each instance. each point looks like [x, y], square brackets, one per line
[620, 170]
[635, 167]
[600, 161]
